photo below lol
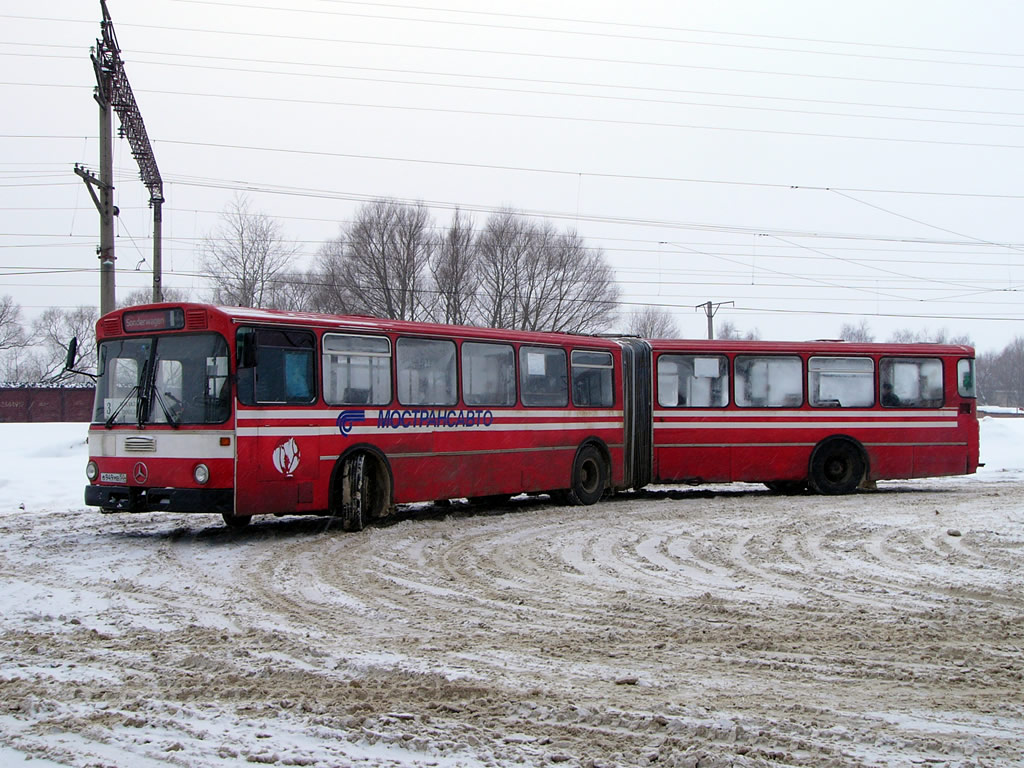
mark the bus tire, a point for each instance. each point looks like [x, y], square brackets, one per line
[589, 476]
[236, 522]
[362, 491]
[837, 467]
[354, 493]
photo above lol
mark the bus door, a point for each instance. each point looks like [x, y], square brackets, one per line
[278, 433]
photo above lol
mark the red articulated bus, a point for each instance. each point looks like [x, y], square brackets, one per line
[246, 411]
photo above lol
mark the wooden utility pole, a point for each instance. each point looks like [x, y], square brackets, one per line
[114, 93]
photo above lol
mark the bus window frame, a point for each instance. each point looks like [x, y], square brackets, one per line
[248, 363]
[390, 355]
[802, 378]
[456, 391]
[526, 347]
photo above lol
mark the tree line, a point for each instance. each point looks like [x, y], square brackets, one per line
[394, 261]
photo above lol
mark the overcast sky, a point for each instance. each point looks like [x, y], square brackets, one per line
[814, 163]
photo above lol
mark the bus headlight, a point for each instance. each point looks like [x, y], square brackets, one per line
[201, 473]
[92, 471]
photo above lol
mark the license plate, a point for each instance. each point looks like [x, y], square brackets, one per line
[113, 477]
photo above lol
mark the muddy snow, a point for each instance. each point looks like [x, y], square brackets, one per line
[721, 626]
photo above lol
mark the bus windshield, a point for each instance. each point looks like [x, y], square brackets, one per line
[180, 379]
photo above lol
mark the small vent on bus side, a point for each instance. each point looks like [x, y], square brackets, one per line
[139, 444]
[195, 320]
[111, 327]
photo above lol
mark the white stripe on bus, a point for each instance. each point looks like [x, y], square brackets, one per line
[817, 413]
[326, 431]
[803, 445]
[373, 413]
[951, 424]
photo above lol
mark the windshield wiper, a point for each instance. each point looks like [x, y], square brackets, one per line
[163, 407]
[133, 392]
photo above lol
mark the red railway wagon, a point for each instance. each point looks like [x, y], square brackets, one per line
[245, 412]
[832, 415]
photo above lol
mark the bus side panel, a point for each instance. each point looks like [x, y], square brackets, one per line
[890, 462]
[760, 463]
[691, 464]
[935, 462]
[489, 461]
[276, 471]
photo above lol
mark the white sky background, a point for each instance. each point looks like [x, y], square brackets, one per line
[815, 163]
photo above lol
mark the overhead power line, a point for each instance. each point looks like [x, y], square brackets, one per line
[584, 33]
[646, 87]
[549, 56]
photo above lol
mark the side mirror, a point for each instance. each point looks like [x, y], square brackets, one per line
[69, 361]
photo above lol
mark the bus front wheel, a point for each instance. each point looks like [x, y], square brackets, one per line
[837, 467]
[364, 492]
[589, 476]
[231, 520]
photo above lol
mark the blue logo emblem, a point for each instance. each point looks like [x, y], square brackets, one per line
[347, 419]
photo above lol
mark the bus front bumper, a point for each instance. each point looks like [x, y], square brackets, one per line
[122, 498]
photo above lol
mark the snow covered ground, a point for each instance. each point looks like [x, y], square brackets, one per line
[677, 627]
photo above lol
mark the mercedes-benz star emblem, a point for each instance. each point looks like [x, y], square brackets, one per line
[140, 473]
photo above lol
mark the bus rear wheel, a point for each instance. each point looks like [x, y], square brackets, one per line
[837, 467]
[589, 476]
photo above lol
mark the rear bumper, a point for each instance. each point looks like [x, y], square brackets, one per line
[122, 498]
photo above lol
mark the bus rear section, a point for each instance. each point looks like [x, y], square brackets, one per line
[829, 416]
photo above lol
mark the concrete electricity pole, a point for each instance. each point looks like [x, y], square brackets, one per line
[114, 93]
[710, 309]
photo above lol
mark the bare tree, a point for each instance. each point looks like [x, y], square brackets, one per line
[52, 331]
[297, 292]
[377, 267]
[860, 332]
[926, 336]
[1001, 375]
[12, 332]
[246, 256]
[502, 249]
[328, 292]
[145, 296]
[454, 270]
[728, 330]
[535, 278]
[650, 322]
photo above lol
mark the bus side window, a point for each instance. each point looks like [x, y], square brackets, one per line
[911, 382]
[592, 379]
[426, 371]
[774, 381]
[356, 369]
[284, 368]
[693, 381]
[488, 373]
[841, 382]
[543, 376]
